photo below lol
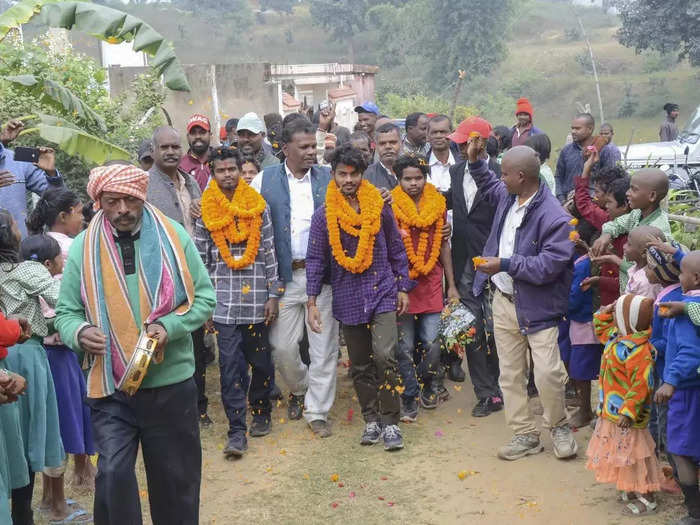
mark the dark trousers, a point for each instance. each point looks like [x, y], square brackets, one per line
[22, 503]
[240, 346]
[200, 369]
[374, 370]
[164, 421]
[482, 359]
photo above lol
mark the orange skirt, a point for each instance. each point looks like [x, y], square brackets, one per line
[625, 457]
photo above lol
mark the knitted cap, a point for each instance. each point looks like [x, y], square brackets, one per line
[633, 313]
[523, 106]
[663, 265]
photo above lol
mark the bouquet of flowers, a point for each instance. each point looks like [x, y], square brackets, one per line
[457, 327]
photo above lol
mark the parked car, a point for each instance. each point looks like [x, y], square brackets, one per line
[680, 159]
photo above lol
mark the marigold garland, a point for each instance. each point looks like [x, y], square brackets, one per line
[364, 225]
[428, 216]
[234, 221]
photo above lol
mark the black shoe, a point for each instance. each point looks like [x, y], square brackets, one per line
[205, 421]
[429, 398]
[409, 410]
[455, 372]
[260, 426]
[209, 356]
[275, 393]
[295, 407]
[236, 446]
[486, 406]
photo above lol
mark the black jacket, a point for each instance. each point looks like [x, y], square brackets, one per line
[470, 229]
[381, 178]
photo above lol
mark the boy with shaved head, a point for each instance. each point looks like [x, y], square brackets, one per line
[648, 188]
[528, 257]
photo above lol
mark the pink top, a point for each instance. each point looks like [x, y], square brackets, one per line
[638, 284]
[64, 242]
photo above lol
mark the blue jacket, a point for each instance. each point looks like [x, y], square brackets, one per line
[275, 191]
[683, 351]
[660, 326]
[580, 302]
[541, 263]
[14, 198]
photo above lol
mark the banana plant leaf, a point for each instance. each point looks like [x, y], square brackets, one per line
[77, 142]
[59, 96]
[19, 14]
[114, 26]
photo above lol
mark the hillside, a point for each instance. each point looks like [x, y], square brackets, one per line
[547, 62]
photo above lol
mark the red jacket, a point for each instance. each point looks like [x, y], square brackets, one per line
[609, 285]
[9, 333]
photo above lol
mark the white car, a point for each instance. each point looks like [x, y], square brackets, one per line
[680, 159]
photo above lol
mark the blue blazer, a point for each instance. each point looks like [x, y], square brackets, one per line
[275, 191]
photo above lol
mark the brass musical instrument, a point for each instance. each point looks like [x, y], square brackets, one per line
[138, 364]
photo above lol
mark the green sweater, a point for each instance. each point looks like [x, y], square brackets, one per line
[178, 363]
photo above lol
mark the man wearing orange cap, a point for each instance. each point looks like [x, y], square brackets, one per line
[473, 215]
[132, 270]
[196, 162]
[524, 129]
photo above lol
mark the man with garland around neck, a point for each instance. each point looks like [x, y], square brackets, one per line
[354, 239]
[421, 212]
[235, 239]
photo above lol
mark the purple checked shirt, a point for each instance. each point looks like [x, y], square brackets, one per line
[357, 298]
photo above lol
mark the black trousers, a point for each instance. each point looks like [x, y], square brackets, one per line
[165, 422]
[200, 369]
[482, 359]
[22, 503]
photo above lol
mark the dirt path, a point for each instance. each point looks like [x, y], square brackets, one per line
[286, 477]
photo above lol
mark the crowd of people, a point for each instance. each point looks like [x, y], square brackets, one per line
[295, 237]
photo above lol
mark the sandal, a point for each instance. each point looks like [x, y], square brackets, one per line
[645, 509]
[624, 496]
[73, 518]
[43, 509]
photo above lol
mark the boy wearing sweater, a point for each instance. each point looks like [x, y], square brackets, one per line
[681, 389]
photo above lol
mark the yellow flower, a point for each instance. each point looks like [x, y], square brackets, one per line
[427, 217]
[574, 236]
[235, 221]
[334, 477]
[246, 289]
[574, 221]
[113, 40]
[478, 261]
[364, 225]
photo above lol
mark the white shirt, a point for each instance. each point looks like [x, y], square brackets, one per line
[301, 201]
[506, 244]
[439, 172]
[470, 188]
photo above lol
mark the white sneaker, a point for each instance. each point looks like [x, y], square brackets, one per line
[563, 441]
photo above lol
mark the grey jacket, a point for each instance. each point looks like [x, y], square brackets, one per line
[380, 177]
[161, 193]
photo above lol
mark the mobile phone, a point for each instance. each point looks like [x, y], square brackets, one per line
[26, 154]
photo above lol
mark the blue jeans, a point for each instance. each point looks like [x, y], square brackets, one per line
[414, 328]
[240, 346]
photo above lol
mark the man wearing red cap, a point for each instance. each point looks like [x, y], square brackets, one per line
[473, 215]
[524, 128]
[196, 162]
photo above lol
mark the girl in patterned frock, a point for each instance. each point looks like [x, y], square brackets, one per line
[622, 450]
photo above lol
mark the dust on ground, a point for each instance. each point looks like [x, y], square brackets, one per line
[286, 477]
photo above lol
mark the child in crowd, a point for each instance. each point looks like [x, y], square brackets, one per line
[663, 268]
[13, 464]
[420, 212]
[681, 389]
[60, 212]
[648, 187]
[636, 252]
[250, 168]
[21, 286]
[543, 146]
[608, 203]
[583, 362]
[621, 450]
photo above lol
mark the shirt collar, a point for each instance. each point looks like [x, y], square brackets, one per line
[525, 204]
[434, 160]
[290, 175]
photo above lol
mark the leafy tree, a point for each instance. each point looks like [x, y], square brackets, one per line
[664, 26]
[84, 78]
